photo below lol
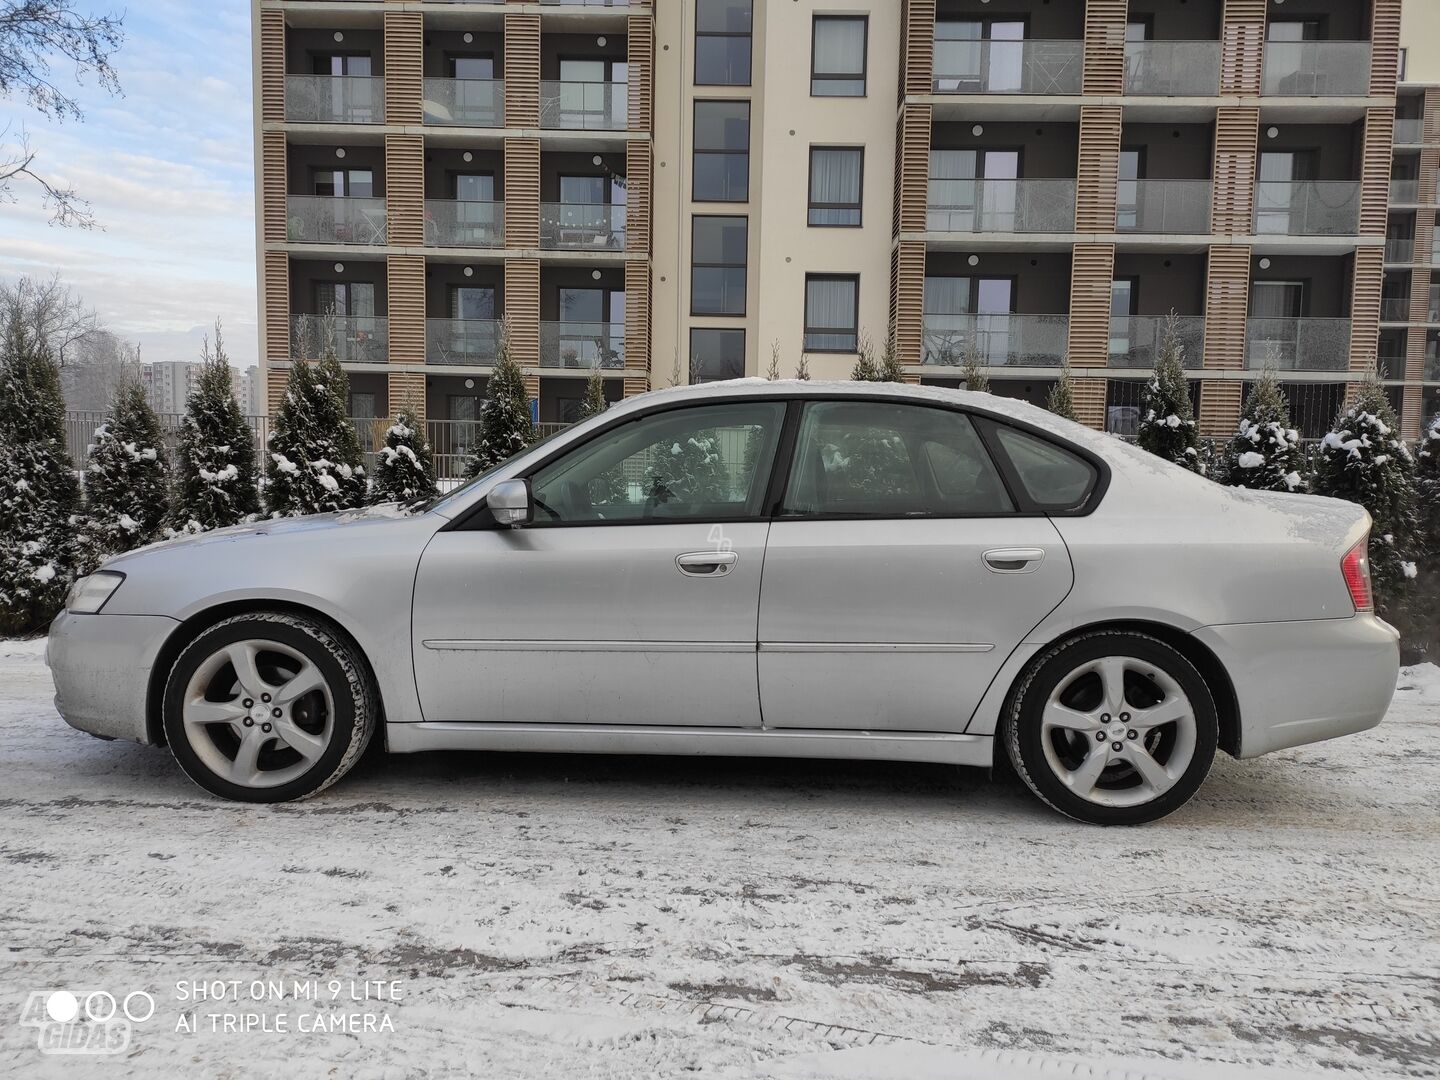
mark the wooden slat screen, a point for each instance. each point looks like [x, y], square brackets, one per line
[1233, 201]
[1227, 305]
[277, 377]
[1377, 155]
[1431, 114]
[1369, 276]
[907, 300]
[1220, 404]
[275, 297]
[1104, 70]
[1242, 52]
[1088, 397]
[522, 309]
[405, 284]
[522, 71]
[637, 315]
[274, 185]
[637, 384]
[640, 85]
[1092, 272]
[522, 193]
[272, 66]
[912, 167]
[638, 205]
[1099, 168]
[404, 67]
[405, 190]
[1385, 47]
[917, 47]
[406, 389]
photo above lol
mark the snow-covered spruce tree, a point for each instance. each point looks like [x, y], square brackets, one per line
[692, 471]
[1426, 610]
[215, 475]
[972, 372]
[505, 425]
[1363, 459]
[1167, 421]
[40, 552]
[888, 369]
[313, 464]
[1061, 400]
[1265, 453]
[593, 403]
[127, 476]
[405, 465]
[865, 369]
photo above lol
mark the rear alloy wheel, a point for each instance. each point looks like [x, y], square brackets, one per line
[268, 707]
[1113, 728]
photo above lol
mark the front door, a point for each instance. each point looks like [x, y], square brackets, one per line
[899, 575]
[631, 599]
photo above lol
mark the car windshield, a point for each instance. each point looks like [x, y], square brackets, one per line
[437, 502]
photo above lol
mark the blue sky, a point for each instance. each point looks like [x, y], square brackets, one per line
[168, 170]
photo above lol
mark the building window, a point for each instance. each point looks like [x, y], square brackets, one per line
[721, 169]
[716, 354]
[837, 56]
[835, 184]
[717, 272]
[831, 306]
[722, 42]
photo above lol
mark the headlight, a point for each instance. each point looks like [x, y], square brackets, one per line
[89, 594]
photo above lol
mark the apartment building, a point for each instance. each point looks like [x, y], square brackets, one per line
[168, 384]
[680, 189]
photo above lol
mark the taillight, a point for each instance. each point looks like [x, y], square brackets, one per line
[1356, 568]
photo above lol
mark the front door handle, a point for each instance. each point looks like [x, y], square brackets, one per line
[1014, 560]
[706, 563]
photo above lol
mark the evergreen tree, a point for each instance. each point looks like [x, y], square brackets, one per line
[505, 425]
[865, 369]
[314, 462]
[1265, 453]
[405, 465]
[802, 372]
[690, 472]
[593, 403]
[127, 478]
[215, 475]
[1426, 619]
[1363, 460]
[774, 372]
[1167, 421]
[1061, 400]
[888, 370]
[972, 373]
[40, 553]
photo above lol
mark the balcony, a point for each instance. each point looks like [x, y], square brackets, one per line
[1180, 207]
[458, 223]
[1399, 249]
[1298, 344]
[584, 106]
[1409, 132]
[1307, 208]
[357, 339]
[1395, 309]
[582, 344]
[1004, 206]
[582, 226]
[1008, 67]
[465, 102]
[329, 219]
[1316, 69]
[1135, 341]
[1404, 192]
[335, 99]
[1172, 68]
[461, 341]
[1002, 340]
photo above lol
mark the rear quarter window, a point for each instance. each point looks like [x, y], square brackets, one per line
[1054, 478]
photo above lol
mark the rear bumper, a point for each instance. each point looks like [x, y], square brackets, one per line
[101, 665]
[1304, 682]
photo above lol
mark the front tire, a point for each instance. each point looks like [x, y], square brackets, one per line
[268, 707]
[1112, 728]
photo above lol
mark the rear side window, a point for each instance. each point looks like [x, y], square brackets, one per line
[1054, 478]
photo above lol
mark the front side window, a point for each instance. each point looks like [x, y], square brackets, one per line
[878, 459]
[837, 56]
[835, 182]
[721, 168]
[710, 463]
[831, 312]
[722, 42]
[716, 354]
[717, 274]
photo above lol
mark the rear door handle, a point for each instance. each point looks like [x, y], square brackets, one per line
[706, 563]
[1014, 560]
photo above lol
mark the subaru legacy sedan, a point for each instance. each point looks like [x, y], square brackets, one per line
[787, 569]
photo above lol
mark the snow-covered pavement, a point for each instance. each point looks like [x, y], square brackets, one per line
[568, 916]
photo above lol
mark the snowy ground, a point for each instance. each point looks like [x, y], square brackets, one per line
[569, 916]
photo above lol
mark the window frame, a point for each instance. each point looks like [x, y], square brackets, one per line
[696, 150]
[716, 330]
[729, 34]
[863, 18]
[743, 266]
[806, 329]
[810, 205]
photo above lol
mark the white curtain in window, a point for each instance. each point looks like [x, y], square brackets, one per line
[830, 304]
[835, 176]
[839, 46]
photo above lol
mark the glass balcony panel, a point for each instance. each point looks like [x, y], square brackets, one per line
[1395, 309]
[1135, 340]
[1307, 207]
[335, 99]
[590, 106]
[461, 341]
[461, 223]
[1172, 68]
[1434, 314]
[1163, 206]
[1018, 206]
[330, 219]
[1002, 340]
[1435, 251]
[582, 344]
[1317, 69]
[1399, 249]
[1008, 67]
[1405, 191]
[1409, 132]
[465, 102]
[1298, 344]
[583, 226]
[357, 339]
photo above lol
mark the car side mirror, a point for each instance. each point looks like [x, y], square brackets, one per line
[509, 503]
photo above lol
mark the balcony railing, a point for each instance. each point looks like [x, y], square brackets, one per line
[1008, 67]
[1317, 69]
[1399, 249]
[461, 223]
[1163, 206]
[1135, 341]
[335, 99]
[1003, 206]
[330, 219]
[461, 341]
[1406, 192]
[1433, 315]
[1409, 132]
[465, 102]
[1308, 208]
[357, 339]
[1395, 309]
[572, 344]
[582, 226]
[1000, 340]
[1172, 68]
[589, 106]
[1298, 344]
[1435, 251]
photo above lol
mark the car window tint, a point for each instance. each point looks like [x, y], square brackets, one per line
[1054, 478]
[708, 462]
[877, 459]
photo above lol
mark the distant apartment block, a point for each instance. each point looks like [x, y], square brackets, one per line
[168, 384]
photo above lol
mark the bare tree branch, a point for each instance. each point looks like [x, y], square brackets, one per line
[55, 314]
[65, 206]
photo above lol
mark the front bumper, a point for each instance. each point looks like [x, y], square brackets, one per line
[1304, 682]
[101, 665]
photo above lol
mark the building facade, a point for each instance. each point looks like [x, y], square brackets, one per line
[677, 190]
[168, 384]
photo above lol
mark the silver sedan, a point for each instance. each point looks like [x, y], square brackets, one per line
[759, 568]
